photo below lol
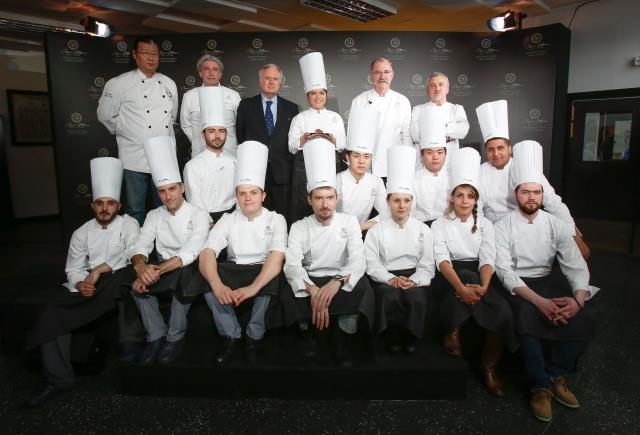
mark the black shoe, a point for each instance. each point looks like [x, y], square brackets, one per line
[380, 354]
[43, 396]
[410, 346]
[130, 351]
[308, 344]
[341, 352]
[394, 348]
[170, 351]
[151, 351]
[226, 350]
[251, 349]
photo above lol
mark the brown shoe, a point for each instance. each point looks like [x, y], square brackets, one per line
[491, 354]
[562, 394]
[452, 343]
[540, 404]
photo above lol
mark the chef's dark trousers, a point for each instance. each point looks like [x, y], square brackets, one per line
[56, 361]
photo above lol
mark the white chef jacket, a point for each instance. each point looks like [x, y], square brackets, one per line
[393, 129]
[391, 247]
[358, 197]
[457, 125]
[134, 107]
[453, 240]
[176, 235]
[192, 127]
[528, 250]
[91, 246]
[431, 194]
[317, 250]
[312, 119]
[248, 242]
[498, 200]
[209, 181]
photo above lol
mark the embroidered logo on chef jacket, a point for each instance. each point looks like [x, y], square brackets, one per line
[268, 231]
[190, 226]
[342, 234]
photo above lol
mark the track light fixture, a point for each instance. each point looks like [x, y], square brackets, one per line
[506, 21]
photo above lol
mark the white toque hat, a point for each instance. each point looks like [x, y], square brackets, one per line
[464, 168]
[493, 118]
[401, 166]
[106, 177]
[362, 131]
[161, 155]
[211, 107]
[319, 163]
[432, 127]
[313, 75]
[527, 164]
[252, 163]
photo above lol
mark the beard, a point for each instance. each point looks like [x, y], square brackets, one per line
[214, 145]
[529, 208]
[105, 218]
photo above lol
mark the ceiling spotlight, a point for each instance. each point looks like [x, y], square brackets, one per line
[509, 20]
[94, 27]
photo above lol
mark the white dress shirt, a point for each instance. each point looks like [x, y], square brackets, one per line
[453, 240]
[393, 129]
[391, 247]
[312, 119]
[191, 126]
[457, 125]
[135, 107]
[248, 241]
[209, 181]
[317, 250]
[431, 194]
[358, 197]
[91, 246]
[176, 235]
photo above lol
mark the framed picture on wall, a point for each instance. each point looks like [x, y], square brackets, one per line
[29, 117]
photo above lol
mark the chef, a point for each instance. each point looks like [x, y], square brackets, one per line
[359, 191]
[97, 252]
[255, 239]
[456, 123]
[547, 312]
[209, 176]
[325, 261]
[178, 229]
[464, 249]
[399, 254]
[498, 199]
[136, 105]
[210, 70]
[395, 113]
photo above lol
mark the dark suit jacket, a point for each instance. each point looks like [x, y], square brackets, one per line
[250, 126]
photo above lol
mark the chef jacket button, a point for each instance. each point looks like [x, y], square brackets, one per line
[166, 126]
[143, 81]
[149, 126]
[145, 96]
[164, 96]
[165, 111]
[159, 82]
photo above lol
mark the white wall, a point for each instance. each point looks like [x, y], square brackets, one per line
[605, 37]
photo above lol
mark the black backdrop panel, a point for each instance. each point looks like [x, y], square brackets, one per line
[528, 68]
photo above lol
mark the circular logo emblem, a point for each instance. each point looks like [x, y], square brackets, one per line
[349, 42]
[510, 78]
[167, 45]
[534, 113]
[395, 42]
[103, 152]
[98, 82]
[121, 46]
[536, 38]
[212, 44]
[82, 189]
[369, 80]
[328, 78]
[417, 79]
[463, 79]
[283, 79]
[485, 43]
[190, 80]
[440, 43]
[76, 117]
[346, 114]
[72, 44]
[257, 43]
[235, 79]
[303, 42]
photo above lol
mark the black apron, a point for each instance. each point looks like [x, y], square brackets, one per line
[216, 215]
[492, 312]
[173, 281]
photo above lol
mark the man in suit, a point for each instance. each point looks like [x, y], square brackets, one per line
[266, 118]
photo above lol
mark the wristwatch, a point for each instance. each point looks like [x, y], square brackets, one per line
[339, 278]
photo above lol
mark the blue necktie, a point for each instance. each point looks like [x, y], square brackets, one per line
[268, 118]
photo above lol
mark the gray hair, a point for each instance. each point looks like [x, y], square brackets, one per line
[269, 66]
[380, 59]
[438, 74]
[206, 57]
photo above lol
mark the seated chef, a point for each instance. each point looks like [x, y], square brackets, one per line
[179, 230]
[255, 239]
[209, 176]
[325, 261]
[358, 189]
[97, 252]
[464, 249]
[399, 253]
[550, 319]
[498, 199]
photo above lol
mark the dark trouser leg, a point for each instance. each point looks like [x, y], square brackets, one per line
[534, 363]
[564, 355]
[135, 188]
[130, 328]
[56, 361]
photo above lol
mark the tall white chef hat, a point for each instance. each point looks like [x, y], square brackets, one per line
[464, 167]
[432, 127]
[494, 120]
[252, 163]
[106, 177]
[362, 131]
[319, 164]
[401, 166]
[211, 107]
[161, 155]
[527, 164]
[313, 75]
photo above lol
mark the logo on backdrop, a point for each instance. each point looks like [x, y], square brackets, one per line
[534, 45]
[345, 116]
[95, 90]
[302, 48]
[439, 51]
[103, 152]
[121, 53]
[189, 83]
[212, 48]
[285, 89]
[331, 87]
[535, 121]
[486, 51]
[394, 51]
[417, 87]
[348, 51]
[72, 53]
[510, 86]
[462, 87]
[236, 84]
[75, 126]
[368, 84]
[257, 52]
[167, 53]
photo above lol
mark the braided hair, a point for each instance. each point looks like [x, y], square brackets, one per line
[448, 212]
